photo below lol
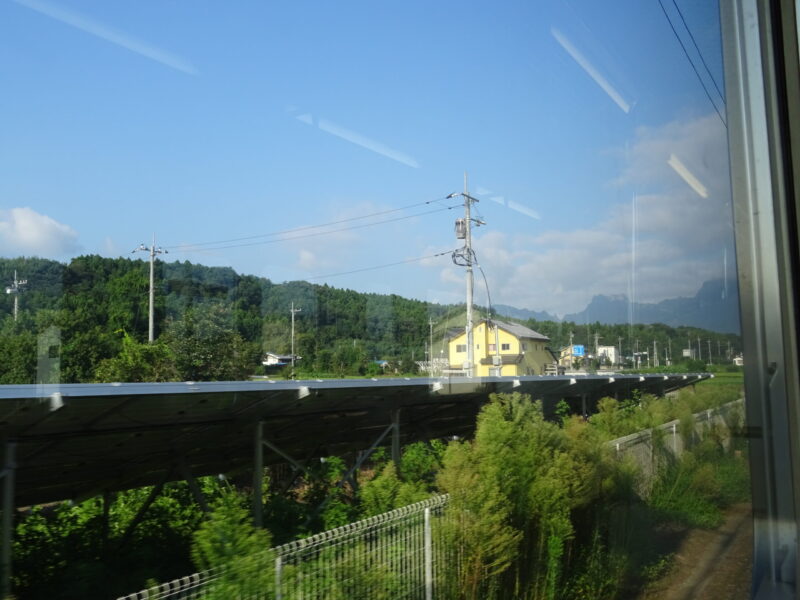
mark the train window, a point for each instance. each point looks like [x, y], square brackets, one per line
[268, 191]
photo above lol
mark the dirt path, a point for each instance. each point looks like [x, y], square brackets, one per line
[711, 565]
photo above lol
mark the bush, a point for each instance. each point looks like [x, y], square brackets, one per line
[227, 540]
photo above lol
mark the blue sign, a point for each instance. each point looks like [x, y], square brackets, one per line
[578, 350]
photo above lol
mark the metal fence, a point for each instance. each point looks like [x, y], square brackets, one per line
[393, 555]
[399, 554]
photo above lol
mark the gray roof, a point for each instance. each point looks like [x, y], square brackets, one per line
[520, 330]
[516, 329]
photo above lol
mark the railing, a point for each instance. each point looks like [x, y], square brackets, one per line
[395, 555]
[643, 446]
[398, 554]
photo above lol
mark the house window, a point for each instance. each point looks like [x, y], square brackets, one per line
[524, 346]
[461, 347]
[492, 347]
[505, 346]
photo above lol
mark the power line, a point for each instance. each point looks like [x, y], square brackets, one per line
[694, 68]
[394, 264]
[309, 235]
[699, 53]
[306, 227]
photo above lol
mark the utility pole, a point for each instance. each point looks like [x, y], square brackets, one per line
[294, 311]
[430, 346]
[710, 360]
[470, 276]
[153, 251]
[15, 288]
[619, 355]
[571, 351]
[669, 352]
[655, 354]
[637, 358]
[497, 360]
[465, 257]
[699, 349]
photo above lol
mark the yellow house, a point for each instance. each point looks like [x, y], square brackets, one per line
[566, 358]
[523, 351]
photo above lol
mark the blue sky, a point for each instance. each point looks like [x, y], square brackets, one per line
[202, 121]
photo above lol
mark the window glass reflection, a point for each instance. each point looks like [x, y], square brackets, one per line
[351, 191]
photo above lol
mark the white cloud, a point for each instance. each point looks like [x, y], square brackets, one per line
[679, 239]
[23, 231]
[307, 260]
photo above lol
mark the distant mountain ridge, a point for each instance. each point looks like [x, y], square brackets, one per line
[715, 307]
[523, 313]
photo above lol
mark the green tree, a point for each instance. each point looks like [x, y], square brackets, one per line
[17, 354]
[515, 491]
[207, 348]
[138, 362]
[348, 358]
[228, 541]
[387, 491]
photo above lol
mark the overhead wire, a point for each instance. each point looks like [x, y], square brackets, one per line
[192, 248]
[211, 246]
[384, 266]
[694, 68]
[307, 227]
[699, 53]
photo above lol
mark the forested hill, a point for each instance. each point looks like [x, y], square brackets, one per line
[88, 321]
[95, 301]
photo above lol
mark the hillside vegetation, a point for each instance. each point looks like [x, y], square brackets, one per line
[89, 320]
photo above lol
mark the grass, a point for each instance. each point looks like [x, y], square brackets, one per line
[723, 378]
[696, 488]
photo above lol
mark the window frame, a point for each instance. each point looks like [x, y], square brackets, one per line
[760, 50]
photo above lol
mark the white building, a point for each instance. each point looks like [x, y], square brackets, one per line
[272, 359]
[609, 353]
